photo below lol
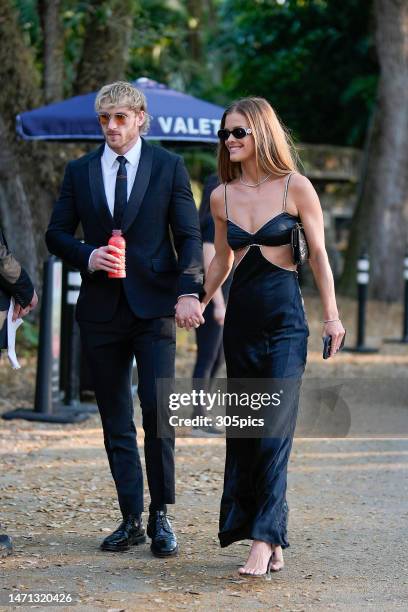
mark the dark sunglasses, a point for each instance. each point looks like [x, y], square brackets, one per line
[238, 132]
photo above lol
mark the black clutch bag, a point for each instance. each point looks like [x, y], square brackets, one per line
[300, 249]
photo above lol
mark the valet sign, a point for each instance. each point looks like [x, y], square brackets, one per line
[189, 126]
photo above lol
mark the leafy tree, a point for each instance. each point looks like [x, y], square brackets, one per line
[313, 59]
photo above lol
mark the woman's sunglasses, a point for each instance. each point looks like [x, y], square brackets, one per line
[120, 118]
[238, 132]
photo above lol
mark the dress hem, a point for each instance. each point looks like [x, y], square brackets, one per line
[243, 534]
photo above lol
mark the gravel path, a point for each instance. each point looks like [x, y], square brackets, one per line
[348, 523]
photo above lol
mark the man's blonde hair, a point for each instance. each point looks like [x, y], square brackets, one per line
[122, 93]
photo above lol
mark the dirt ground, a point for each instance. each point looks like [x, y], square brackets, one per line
[348, 524]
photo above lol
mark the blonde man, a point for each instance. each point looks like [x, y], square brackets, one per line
[143, 190]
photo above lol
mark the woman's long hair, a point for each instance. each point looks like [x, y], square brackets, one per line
[274, 148]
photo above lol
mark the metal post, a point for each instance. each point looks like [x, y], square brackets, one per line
[404, 338]
[405, 320]
[47, 407]
[73, 344]
[363, 277]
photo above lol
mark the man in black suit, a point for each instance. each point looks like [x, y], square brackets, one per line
[143, 190]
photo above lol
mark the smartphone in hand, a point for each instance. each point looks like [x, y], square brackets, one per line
[327, 345]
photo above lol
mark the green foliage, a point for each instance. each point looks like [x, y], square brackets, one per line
[27, 338]
[312, 59]
[30, 22]
[74, 27]
[162, 44]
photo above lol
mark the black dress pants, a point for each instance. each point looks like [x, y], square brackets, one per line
[109, 348]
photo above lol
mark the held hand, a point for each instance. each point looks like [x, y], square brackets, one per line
[19, 312]
[107, 258]
[219, 314]
[188, 312]
[34, 301]
[336, 330]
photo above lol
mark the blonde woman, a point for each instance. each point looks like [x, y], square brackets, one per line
[260, 200]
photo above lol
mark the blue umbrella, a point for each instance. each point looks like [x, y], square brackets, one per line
[175, 116]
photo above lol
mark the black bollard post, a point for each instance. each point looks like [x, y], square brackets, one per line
[72, 345]
[363, 277]
[404, 339]
[405, 322]
[47, 405]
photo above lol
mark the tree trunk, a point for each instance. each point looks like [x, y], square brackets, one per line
[106, 46]
[53, 49]
[15, 210]
[19, 91]
[359, 235]
[390, 177]
[195, 11]
[383, 211]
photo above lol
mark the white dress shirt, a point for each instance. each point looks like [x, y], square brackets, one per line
[110, 167]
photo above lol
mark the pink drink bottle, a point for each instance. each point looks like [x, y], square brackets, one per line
[118, 241]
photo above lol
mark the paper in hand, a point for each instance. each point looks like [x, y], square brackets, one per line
[12, 327]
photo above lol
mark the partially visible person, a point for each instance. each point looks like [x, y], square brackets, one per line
[14, 283]
[210, 353]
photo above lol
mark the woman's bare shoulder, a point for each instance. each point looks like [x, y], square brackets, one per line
[301, 185]
[217, 200]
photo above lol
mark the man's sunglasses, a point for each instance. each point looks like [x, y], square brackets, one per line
[238, 132]
[120, 118]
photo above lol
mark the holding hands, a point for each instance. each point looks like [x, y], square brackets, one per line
[189, 312]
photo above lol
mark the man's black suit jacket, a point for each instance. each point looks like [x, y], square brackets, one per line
[160, 226]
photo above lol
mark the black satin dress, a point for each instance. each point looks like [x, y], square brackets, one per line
[265, 336]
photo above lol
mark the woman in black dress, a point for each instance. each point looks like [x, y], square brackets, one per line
[261, 198]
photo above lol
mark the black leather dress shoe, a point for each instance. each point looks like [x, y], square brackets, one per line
[164, 542]
[129, 533]
[6, 545]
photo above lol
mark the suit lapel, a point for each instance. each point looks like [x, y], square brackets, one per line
[139, 186]
[98, 191]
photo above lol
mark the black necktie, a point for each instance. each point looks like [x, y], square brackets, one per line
[120, 192]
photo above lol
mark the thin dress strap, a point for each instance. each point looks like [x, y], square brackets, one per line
[225, 199]
[286, 190]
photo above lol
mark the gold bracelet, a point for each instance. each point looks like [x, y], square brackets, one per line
[331, 320]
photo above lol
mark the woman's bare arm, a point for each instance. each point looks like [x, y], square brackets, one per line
[307, 202]
[223, 259]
